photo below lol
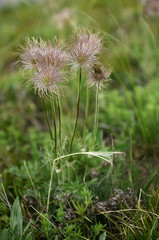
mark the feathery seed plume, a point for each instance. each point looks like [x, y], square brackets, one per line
[99, 75]
[54, 55]
[84, 49]
[47, 79]
[33, 49]
[46, 64]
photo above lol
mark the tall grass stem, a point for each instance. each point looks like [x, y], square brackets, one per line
[50, 185]
[27, 170]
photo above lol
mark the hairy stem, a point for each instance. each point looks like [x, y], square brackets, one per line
[54, 122]
[47, 118]
[96, 113]
[60, 121]
[77, 109]
[86, 112]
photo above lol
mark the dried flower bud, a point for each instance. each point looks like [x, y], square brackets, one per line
[84, 49]
[99, 75]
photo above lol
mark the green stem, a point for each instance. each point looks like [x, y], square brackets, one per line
[59, 178]
[112, 140]
[63, 173]
[69, 171]
[54, 122]
[96, 113]
[60, 122]
[47, 118]
[77, 111]
[86, 112]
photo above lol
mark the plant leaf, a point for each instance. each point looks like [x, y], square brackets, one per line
[29, 236]
[5, 235]
[16, 219]
[26, 228]
[103, 236]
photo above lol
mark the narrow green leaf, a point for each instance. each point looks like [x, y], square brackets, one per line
[16, 219]
[151, 180]
[5, 235]
[26, 228]
[153, 228]
[29, 236]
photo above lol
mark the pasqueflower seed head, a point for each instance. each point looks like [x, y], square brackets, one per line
[84, 49]
[46, 63]
[40, 51]
[47, 79]
[54, 55]
[99, 75]
[31, 52]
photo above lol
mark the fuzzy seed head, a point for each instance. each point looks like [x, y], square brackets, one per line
[99, 75]
[31, 52]
[55, 56]
[47, 79]
[46, 64]
[40, 51]
[84, 49]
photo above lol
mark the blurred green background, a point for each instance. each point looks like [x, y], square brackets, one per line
[129, 108]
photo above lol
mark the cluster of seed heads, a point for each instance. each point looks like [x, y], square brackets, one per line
[47, 62]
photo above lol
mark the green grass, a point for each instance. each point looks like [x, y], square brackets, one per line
[129, 109]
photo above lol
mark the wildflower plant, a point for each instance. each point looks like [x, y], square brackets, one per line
[84, 51]
[98, 76]
[46, 64]
[85, 202]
